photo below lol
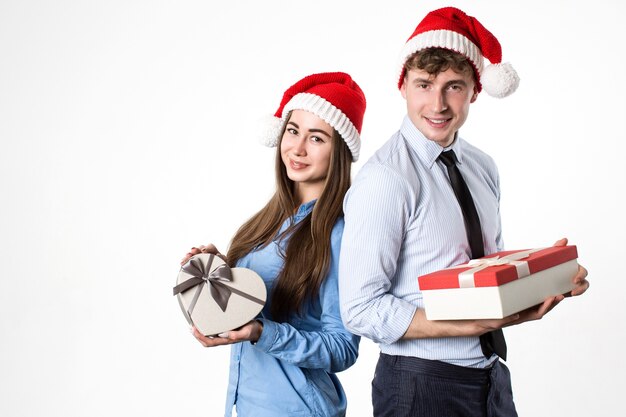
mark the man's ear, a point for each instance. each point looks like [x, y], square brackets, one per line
[474, 96]
[403, 88]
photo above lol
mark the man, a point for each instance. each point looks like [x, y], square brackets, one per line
[403, 220]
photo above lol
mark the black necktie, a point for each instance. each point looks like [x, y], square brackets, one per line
[493, 341]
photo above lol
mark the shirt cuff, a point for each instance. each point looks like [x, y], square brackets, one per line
[268, 335]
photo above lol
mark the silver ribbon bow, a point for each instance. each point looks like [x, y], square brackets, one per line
[466, 278]
[215, 279]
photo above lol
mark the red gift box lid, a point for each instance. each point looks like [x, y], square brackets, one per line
[496, 275]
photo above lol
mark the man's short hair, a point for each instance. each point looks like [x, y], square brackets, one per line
[437, 60]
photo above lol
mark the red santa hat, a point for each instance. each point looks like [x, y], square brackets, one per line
[450, 28]
[333, 97]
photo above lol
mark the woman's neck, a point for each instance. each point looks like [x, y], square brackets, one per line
[308, 192]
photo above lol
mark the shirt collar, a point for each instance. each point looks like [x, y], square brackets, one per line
[304, 210]
[427, 150]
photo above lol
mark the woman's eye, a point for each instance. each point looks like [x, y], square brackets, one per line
[292, 131]
[317, 139]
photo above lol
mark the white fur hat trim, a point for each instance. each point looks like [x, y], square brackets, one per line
[322, 109]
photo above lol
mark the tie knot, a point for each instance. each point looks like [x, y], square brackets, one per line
[448, 158]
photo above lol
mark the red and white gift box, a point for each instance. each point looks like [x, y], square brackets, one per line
[500, 284]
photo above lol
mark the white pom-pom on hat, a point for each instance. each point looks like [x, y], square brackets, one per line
[269, 130]
[499, 80]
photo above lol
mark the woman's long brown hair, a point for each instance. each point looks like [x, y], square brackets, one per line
[307, 255]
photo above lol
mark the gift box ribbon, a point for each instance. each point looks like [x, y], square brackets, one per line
[466, 278]
[215, 279]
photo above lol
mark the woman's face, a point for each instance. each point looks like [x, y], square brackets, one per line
[305, 149]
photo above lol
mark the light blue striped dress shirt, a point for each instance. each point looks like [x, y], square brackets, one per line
[402, 220]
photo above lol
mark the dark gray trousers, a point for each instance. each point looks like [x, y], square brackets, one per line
[413, 387]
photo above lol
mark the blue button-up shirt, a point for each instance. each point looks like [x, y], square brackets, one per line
[402, 220]
[290, 370]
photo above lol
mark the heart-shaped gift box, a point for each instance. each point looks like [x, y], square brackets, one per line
[216, 298]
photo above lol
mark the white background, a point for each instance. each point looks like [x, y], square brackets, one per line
[128, 135]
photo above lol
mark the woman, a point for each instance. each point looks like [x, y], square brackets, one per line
[283, 363]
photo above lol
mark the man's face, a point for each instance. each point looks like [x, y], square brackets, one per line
[438, 105]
